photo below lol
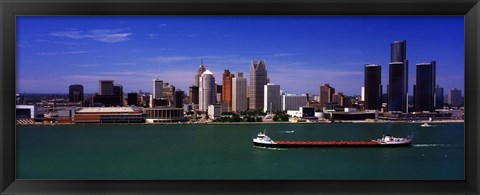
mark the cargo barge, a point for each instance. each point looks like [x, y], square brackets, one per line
[263, 140]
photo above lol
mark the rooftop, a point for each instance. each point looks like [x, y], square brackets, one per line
[105, 109]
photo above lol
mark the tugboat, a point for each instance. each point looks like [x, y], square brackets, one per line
[425, 125]
[262, 140]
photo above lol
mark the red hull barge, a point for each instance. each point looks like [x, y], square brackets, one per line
[387, 141]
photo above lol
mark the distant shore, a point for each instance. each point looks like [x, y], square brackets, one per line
[249, 123]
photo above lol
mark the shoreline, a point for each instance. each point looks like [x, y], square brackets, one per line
[244, 123]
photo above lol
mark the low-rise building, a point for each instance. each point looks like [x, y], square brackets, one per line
[109, 115]
[163, 114]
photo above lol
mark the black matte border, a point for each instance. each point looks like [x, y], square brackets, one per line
[11, 8]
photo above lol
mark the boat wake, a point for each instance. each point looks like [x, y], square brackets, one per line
[268, 148]
[292, 131]
[430, 145]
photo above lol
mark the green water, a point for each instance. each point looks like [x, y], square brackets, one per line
[197, 152]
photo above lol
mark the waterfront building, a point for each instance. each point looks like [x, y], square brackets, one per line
[372, 90]
[132, 99]
[239, 93]
[455, 97]
[398, 78]
[201, 69]
[339, 98]
[258, 78]
[163, 114]
[206, 90]
[179, 95]
[108, 115]
[439, 97]
[227, 88]
[215, 110]
[157, 88]
[168, 93]
[271, 98]
[105, 87]
[424, 89]
[75, 93]
[293, 102]
[326, 94]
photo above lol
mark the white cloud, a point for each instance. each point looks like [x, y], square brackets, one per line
[102, 35]
[61, 53]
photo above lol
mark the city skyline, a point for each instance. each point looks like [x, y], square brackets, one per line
[60, 51]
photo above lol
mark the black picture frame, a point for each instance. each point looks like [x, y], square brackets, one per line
[11, 8]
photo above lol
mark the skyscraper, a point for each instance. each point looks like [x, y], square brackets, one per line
[439, 97]
[201, 69]
[239, 93]
[168, 93]
[206, 90]
[326, 94]
[118, 92]
[271, 98]
[179, 95]
[398, 78]
[455, 97]
[105, 87]
[193, 94]
[372, 87]
[258, 78]
[425, 87]
[227, 88]
[75, 93]
[157, 88]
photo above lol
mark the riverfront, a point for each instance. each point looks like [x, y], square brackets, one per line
[209, 152]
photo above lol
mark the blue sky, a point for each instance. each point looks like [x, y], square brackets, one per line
[301, 52]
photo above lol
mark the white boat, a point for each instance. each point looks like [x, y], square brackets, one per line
[390, 140]
[425, 125]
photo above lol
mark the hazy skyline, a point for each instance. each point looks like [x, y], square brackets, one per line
[301, 52]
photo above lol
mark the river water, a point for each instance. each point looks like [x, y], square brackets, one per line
[225, 152]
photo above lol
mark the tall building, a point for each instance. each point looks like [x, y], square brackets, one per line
[339, 98]
[372, 87]
[258, 78]
[105, 87]
[398, 78]
[439, 97]
[293, 102]
[157, 88]
[201, 69]
[75, 93]
[179, 95]
[424, 90]
[168, 93]
[218, 93]
[193, 94]
[132, 99]
[206, 90]
[118, 92]
[239, 93]
[227, 88]
[271, 98]
[326, 94]
[455, 97]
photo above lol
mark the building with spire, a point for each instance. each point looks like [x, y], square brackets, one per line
[258, 78]
[201, 69]
[206, 90]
